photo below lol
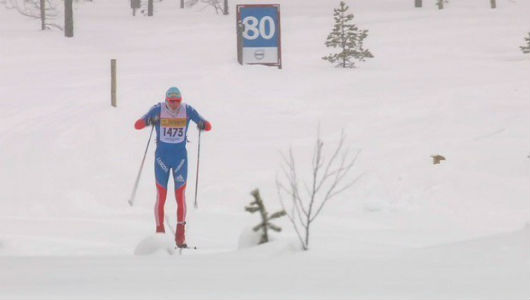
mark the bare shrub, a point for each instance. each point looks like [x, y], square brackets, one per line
[328, 179]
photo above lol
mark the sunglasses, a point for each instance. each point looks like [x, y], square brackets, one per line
[174, 100]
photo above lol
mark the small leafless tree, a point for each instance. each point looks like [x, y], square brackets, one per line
[216, 4]
[328, 179]
[188, 3]
[45, 10]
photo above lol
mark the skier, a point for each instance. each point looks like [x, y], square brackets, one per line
[171, 120]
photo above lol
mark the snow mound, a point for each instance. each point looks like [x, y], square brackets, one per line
[248, 238]
[156, 244]
[275, 247]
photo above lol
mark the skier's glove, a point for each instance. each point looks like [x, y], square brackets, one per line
[152, 121]
[204, 125]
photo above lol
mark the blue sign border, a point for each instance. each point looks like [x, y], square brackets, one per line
[260, 10]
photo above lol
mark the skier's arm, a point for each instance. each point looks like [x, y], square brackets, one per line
[202, 124]
[150, 118]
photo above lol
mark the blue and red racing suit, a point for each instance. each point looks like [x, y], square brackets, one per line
[171, 155]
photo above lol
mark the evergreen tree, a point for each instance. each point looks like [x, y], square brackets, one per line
[348, 38]
[265, 225]
[526, 49]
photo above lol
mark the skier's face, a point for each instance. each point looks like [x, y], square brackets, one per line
[174, 103]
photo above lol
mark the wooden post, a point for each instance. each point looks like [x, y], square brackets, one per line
[113, 82]
[440, 4]
[68, 19]
[239, 29]
[149, 8]
[135, 4]
[493, 3]
[417, 3]
[225, 8]
[42, 15]
[181, 3]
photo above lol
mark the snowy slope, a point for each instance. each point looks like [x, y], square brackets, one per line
[449, 82]
[487, 268]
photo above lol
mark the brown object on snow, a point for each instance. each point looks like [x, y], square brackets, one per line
[436, 159]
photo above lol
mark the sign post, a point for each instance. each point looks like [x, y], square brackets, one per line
[135, 4]
[258, 34]
[113, 82]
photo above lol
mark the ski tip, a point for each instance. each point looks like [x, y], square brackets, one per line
[186, 248]
[180, 250]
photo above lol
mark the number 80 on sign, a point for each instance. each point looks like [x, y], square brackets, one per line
[259, 34]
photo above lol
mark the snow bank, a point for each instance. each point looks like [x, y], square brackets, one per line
[156, 244]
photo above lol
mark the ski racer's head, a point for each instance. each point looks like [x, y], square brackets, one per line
[173, 98]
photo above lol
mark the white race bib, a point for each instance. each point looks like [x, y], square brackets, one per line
[173, 124]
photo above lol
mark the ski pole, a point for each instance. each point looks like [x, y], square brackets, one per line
[197, 174]
[131, 200]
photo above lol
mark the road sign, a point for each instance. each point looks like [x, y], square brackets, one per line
[258, 34]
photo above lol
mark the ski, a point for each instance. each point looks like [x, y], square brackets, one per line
[185, 248]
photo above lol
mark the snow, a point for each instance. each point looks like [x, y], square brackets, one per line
[248, 238]
[451, 82]
[156, 244]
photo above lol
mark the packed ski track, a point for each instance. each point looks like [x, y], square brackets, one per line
[451, 82]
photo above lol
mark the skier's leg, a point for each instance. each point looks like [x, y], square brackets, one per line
[180, 195]
[180, 176]
[180, 237]
[161, 178]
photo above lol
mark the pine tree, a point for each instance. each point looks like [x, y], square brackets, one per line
[526, 49]
[265, 225]
[348, 38]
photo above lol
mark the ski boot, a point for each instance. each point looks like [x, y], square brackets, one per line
[180, 236]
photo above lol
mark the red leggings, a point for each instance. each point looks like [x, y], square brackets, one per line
[160, 202]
